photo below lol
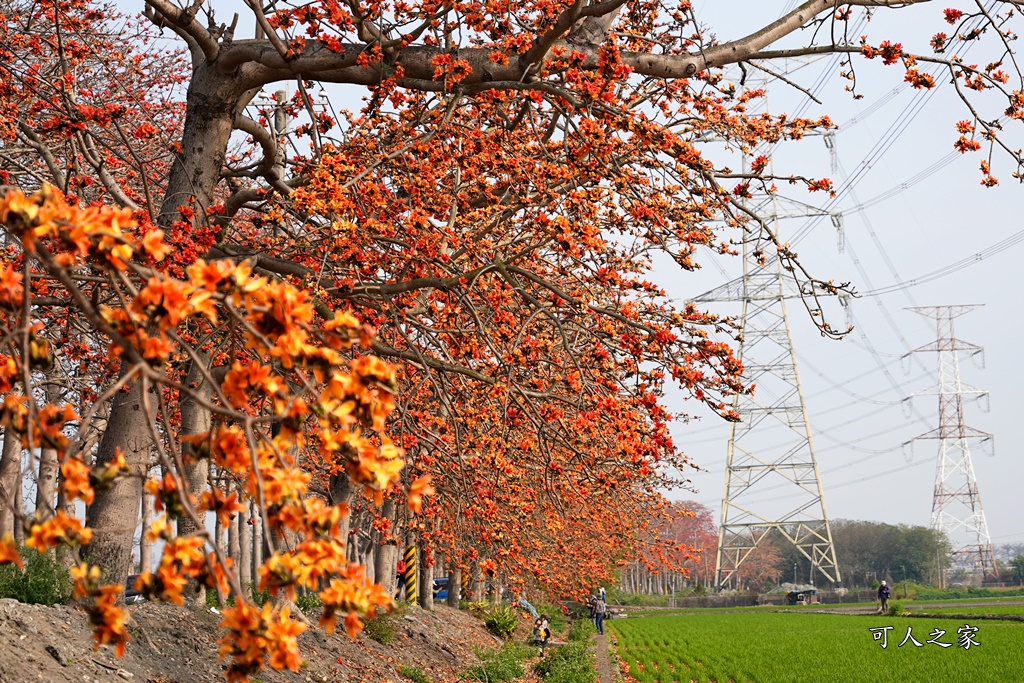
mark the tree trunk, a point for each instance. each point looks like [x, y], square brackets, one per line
[385, 564]
[367, 546]
[257, 541]
[235, 541]
[477, 582]
[46, 482]
[195, 419]
[385, 557]
[454, 587]
[342, 492]
[145, 545]
[10, 479]
[221, 538]
[245, 529]
[209, 120]
[195, 172]
[114, 513]
[19, 510]
[67, 557]
[426, 577]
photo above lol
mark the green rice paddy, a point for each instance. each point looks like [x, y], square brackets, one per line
[970, 609]
[713, 646]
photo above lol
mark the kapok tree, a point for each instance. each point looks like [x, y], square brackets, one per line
[291, 372]
[88, 107]
[494, 209]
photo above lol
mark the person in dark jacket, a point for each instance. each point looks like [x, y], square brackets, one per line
[400, 577]
[600, 609]
[883, 598]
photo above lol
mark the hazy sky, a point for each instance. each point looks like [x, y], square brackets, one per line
[856, 389]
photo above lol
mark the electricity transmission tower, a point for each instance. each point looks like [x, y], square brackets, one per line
[770, 489]
[956, 504]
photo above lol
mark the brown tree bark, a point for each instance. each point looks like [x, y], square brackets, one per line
[426, 576]
[454, 587]
[114, 513]
[477, 583]
[210, 110]
[234, 540]
[385, 556]
[19, 511]
[195, 419]
[245, 529]
[46, 480]
[10, 478]
[257, 541]
[145, 545]
[342, 492]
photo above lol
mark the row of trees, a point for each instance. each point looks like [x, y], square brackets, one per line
[431, 320]
[867, 552]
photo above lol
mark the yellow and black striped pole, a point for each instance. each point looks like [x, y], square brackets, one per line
[465, 583]
[411, 579]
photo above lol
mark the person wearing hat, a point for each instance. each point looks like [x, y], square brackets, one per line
[883, 598]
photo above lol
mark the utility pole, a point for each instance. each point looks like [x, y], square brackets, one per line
[956, 502]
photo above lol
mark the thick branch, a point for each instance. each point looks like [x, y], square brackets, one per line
[185, 19]
[274, 265]
[271, 167]
[316, 61]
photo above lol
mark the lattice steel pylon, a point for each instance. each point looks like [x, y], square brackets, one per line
[956, 503]
[788, 470]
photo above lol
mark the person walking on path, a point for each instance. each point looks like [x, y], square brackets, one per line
[600, 609]
[883, 598]
[542, 633]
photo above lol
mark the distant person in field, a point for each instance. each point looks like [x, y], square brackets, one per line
[883, 598]
[592, 606]
[600, 609]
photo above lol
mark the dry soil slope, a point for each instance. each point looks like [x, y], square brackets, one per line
[175, 645]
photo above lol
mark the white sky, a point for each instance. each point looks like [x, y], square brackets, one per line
[855, 388]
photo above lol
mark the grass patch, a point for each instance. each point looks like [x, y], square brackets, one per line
[414, 674]
[502, 621]
[570, 663]
[42, 582]
[496, 666]
[964, 592]
[581, 630]
[381, 628]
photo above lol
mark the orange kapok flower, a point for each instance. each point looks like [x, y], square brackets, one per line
[9, 552]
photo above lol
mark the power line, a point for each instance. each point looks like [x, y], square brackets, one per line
[1000, 246]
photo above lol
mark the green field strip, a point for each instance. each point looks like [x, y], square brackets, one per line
[765, 647]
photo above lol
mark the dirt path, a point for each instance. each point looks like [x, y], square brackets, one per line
[602, 660]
